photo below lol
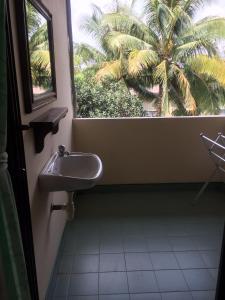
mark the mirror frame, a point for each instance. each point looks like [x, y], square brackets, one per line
[29, 103]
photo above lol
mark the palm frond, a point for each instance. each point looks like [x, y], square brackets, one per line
[92, 26]
[97, 12]
[151, 15]
[161, 77]
[179, 21]
[39, 37]
[42, 58]
[184, 84]
[111, 69]
[119, 42]
[88, 53]
[193, 48]
[172, 3]
[129, 24]
[207, 95]
[160, 72]
[213, 67]
[177, 98]
[33, 18]
[212, 28]
[143, 91]
[141, 59]
[191, 6]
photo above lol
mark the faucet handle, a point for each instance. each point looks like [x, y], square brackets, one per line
[61, 149]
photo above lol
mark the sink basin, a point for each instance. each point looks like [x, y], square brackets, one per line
[76, 171]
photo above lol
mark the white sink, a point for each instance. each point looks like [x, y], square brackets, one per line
[76, 171]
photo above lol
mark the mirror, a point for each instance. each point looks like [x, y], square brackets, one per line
[37, 54]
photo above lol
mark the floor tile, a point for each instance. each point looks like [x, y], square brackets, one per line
[190, 260]
[69, 247]
[163, 261]
[211, 258]
[146, 296]
[65, 264]
[110, 228]
[199, 279]
[112, 262]
[142, 282]
[113, 283]
[114, 297]
[84, 284]
[213, 294]
[85, 263]
[82, 298]
[158, 244]
[51, 287]
[135, 244]
[177, 296]
[111, 245]
[154, 229]
[138, 261]
[214, 273]
[203, 295]
[198, 228]
[207, 243]
[147, 234]
[61, 285]
[88, 246]
[87, 240]
[183, 244]
[177, 229]
[131, 227]
[171, 280]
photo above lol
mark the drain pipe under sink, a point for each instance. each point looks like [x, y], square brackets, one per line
[68, 207]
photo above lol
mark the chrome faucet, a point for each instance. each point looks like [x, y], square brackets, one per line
[61, 151]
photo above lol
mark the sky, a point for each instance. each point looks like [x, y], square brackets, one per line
[83, 7]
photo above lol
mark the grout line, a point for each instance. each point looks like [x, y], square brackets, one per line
[155, 251]
[137, 293]
[98, 274]
[124, 257]
[154, 274]
[183, 274]
[67, 296]
[167, 237]
[99, 245]
[138, 270]
[157, 283]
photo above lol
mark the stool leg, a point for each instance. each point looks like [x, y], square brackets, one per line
[203, 188]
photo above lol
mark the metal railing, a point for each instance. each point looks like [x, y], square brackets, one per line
[216, 150]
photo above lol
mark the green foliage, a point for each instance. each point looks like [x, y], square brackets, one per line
[33, 19]
[110, 99]
[168, 49]
[38, 48]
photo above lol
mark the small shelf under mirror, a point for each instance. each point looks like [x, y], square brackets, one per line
[47, 122]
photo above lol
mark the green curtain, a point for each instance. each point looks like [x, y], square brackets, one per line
[11, 249]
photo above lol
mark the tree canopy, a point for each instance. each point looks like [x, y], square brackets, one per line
[38, 47]
[162, 45]
[108, 99]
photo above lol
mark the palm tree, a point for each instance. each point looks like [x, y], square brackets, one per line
[38, 48]
[163, 46]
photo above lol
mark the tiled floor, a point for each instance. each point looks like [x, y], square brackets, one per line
[164, 250]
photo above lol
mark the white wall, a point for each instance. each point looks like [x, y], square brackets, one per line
[158, 150]
[47, 228]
